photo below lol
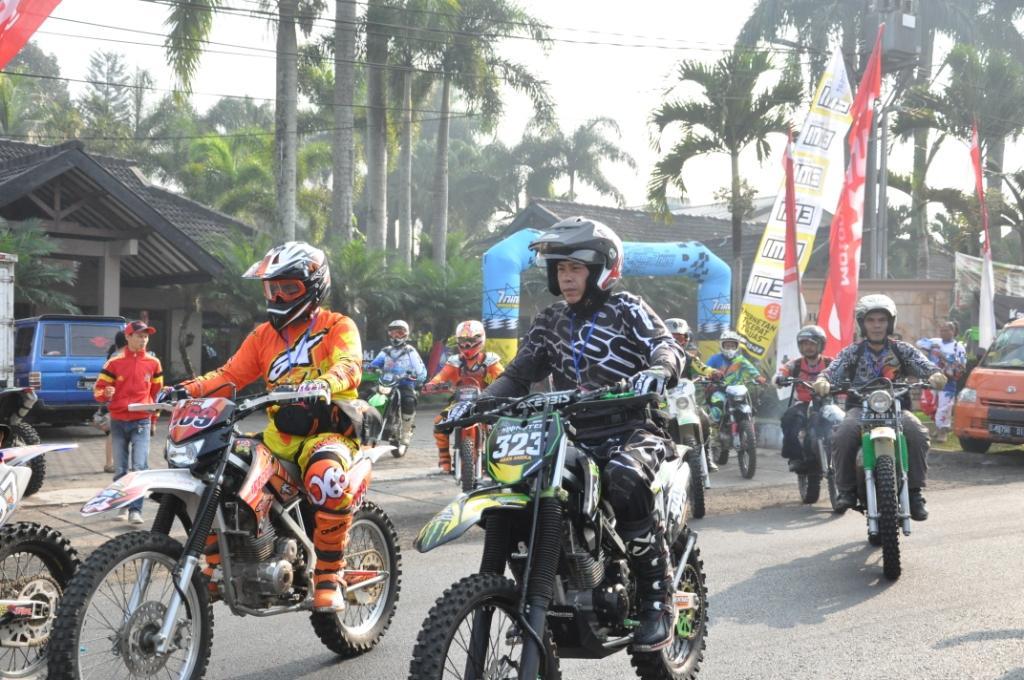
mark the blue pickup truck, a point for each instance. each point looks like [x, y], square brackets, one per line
[60, 356]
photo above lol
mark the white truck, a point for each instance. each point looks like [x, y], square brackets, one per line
[15, 402]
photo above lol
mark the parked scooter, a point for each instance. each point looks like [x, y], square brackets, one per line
[683, 407]
[36, 564]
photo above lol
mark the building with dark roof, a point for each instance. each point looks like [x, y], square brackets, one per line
[127, 238]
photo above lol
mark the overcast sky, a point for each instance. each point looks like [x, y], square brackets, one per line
[624, 82]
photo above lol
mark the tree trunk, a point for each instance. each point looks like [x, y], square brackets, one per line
[343, 148]
[286, 138]
[440, 222]
[191, 306]
[737, 243]
[918, 185]
[572, 186]
[376, 133]
[405, 230]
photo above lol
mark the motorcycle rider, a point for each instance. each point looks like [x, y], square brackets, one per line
[594, 338]
[681, 333]
[470, 365]
[311, 348]
[878, 356]
[402, 359]
[733, 367]
[811, 342]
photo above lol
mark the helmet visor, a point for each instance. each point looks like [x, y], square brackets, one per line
[398, 333]
[283, 290]
[469, 343]
[554, 252]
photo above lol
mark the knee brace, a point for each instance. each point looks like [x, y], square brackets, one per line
[627, 489]
[325, 479]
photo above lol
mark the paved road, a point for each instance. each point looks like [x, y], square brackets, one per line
[794, 591]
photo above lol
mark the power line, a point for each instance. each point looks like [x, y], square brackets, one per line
[163, 138]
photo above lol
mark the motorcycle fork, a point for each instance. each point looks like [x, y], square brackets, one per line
[903, 460]
[867, 447]
[209, 504]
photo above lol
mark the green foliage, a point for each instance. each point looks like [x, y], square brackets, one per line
[36, 275]
[237, 299]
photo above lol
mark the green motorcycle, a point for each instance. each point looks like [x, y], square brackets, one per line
[571, 591]
[386, 398]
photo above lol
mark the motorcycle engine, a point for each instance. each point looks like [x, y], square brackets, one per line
[266, 579]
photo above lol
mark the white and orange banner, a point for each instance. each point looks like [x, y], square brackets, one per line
[817, 154]
[836, 313]
[986, 306]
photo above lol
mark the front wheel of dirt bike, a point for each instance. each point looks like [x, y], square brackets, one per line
[746, 457]
[372, 547]
[116, 604]
[394, 425]
[809, 484]
[471, 632]
[36, 563]
[23, 434]
[696, 476]
[888, 508]
[681, 660]
[467, 466]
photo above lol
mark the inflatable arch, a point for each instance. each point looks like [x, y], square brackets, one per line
[504, 263]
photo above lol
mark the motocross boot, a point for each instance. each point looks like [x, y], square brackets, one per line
[649, 559]
[330, 537]
[408, 425]
[918, 506]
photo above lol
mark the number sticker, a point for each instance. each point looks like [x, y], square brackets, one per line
[516, 444]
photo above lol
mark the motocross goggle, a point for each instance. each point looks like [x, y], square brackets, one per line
[398, 333]
[470, 343]
[283, 290]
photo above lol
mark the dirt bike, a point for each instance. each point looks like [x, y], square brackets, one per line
[140, 603]
[882, 466]
[822, 416]
[732, 418]
[36, 564]
[682, 406]
[465, 443]
[572, 593]
[387, 399]
[15, 403]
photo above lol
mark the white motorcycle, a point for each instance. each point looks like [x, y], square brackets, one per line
[682, 406]
[36, 564]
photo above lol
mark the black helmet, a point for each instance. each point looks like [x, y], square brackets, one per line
[583, 240]
[813, 333]
[296, 280]
[876, 302]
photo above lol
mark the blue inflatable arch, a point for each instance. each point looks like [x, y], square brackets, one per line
[504, 263]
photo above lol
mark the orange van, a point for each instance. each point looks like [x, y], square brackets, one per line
[990, 407]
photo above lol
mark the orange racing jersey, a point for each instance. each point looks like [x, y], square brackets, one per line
[457, 370]
[327, 347]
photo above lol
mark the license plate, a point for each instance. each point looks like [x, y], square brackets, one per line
[1002, 430]
[86, 383]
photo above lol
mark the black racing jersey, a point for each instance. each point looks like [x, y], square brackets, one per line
[623, 337]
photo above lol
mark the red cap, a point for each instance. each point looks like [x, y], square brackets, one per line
[137, 327]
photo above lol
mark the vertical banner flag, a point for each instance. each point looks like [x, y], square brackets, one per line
[792, 316]
[817, 162]
[19, 19]
[839, 299]
[986, 309]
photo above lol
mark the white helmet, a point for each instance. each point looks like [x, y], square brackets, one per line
[876, 302]
[677, 326]
[398, 333]
[730, 336]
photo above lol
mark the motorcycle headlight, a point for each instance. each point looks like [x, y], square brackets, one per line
[968, 396]
[880, 401]
[384, 389]
[682, 403]
[183, 455]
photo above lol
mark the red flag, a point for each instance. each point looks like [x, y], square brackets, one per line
[838, 300]
[19, 19]
[986, 309]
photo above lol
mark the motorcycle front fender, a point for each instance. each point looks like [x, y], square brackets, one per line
[464, 512]
[139, 484]
[17, 456]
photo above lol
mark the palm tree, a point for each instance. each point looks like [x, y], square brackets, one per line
[729, 118]
[190, 24]
[469, 62]
[35, 274]
[343, 145]
[378, 37]
[576, 157]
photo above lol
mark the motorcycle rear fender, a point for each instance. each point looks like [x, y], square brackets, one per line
[139, 484]
[22, 455]
[464, 512]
